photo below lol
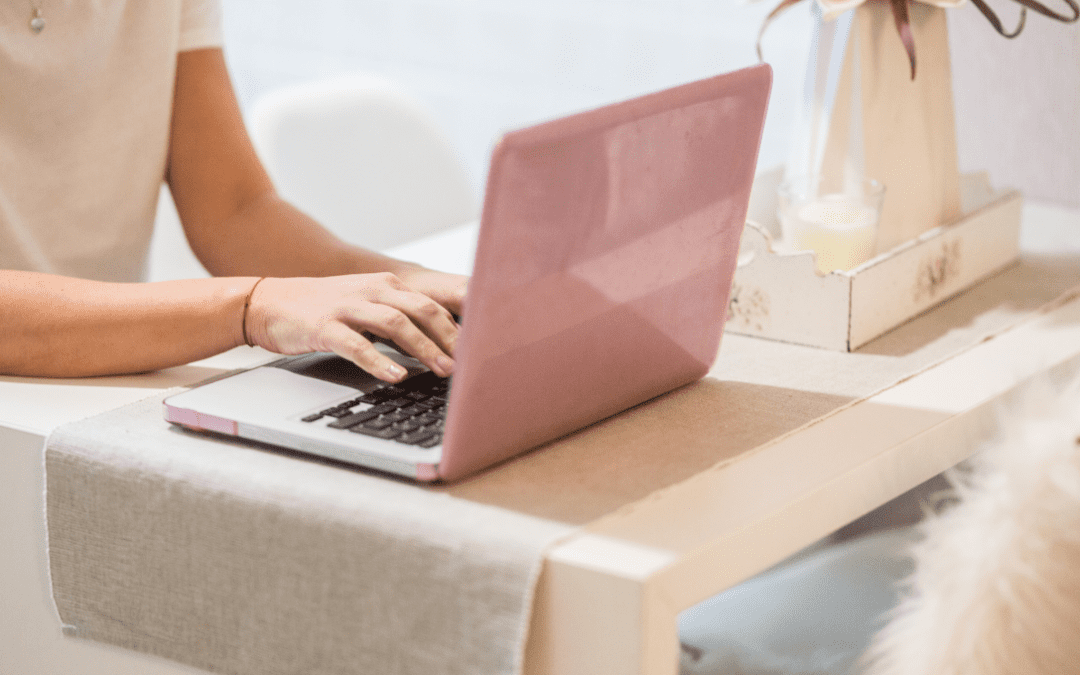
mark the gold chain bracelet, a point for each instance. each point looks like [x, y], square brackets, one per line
[247, 303]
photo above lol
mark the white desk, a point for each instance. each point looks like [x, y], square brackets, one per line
[678, 498]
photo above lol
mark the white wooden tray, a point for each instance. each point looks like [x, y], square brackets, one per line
[780, 296]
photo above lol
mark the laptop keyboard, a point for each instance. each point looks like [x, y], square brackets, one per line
[411, 412]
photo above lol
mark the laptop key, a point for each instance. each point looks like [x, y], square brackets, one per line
[354, 419]
[378, 423]
[409, 424]
[416, 437]
[388, 433]
[312, 418]
[381, 395]
[431, 441]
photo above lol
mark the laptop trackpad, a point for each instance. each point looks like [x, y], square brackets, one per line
[333, 368]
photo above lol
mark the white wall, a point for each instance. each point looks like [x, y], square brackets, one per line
[1018, 101]
[484, 66]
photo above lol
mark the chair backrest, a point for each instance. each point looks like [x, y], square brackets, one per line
[363, 158]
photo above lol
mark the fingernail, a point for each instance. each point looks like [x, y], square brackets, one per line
[445, 364]
[395, 371]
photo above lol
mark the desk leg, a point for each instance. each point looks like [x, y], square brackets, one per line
[599, 609]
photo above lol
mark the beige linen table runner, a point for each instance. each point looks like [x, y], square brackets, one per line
[241, 560]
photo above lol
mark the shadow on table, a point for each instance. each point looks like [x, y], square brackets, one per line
[997, 302]
[661, 442]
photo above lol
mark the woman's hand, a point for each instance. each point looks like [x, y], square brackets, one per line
[328, 314]
[446, 289]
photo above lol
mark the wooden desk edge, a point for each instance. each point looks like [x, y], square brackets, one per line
[609, 597]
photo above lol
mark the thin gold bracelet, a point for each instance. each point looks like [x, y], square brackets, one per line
[247, 303]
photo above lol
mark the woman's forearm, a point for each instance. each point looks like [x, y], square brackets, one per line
[269, 236]
[53, 326]
[234, 220]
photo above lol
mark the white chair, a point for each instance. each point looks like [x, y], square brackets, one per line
[363, 158]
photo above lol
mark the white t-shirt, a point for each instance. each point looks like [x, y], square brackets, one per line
[85, 108]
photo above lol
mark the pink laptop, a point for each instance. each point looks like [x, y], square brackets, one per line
[607, 247]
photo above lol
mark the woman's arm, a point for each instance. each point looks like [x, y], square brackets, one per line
[62, 327]
[239, 228]
[234, 220]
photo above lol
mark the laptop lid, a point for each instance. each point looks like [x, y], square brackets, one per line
[607, 246]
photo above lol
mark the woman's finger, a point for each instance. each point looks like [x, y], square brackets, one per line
[446, 289]
[347, 343]
[452, 295]
[429, 316]
[393, 324]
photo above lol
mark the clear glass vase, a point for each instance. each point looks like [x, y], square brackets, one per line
[824, 107]
[827, 203]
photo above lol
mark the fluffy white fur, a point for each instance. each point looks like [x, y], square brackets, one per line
[997, 583]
